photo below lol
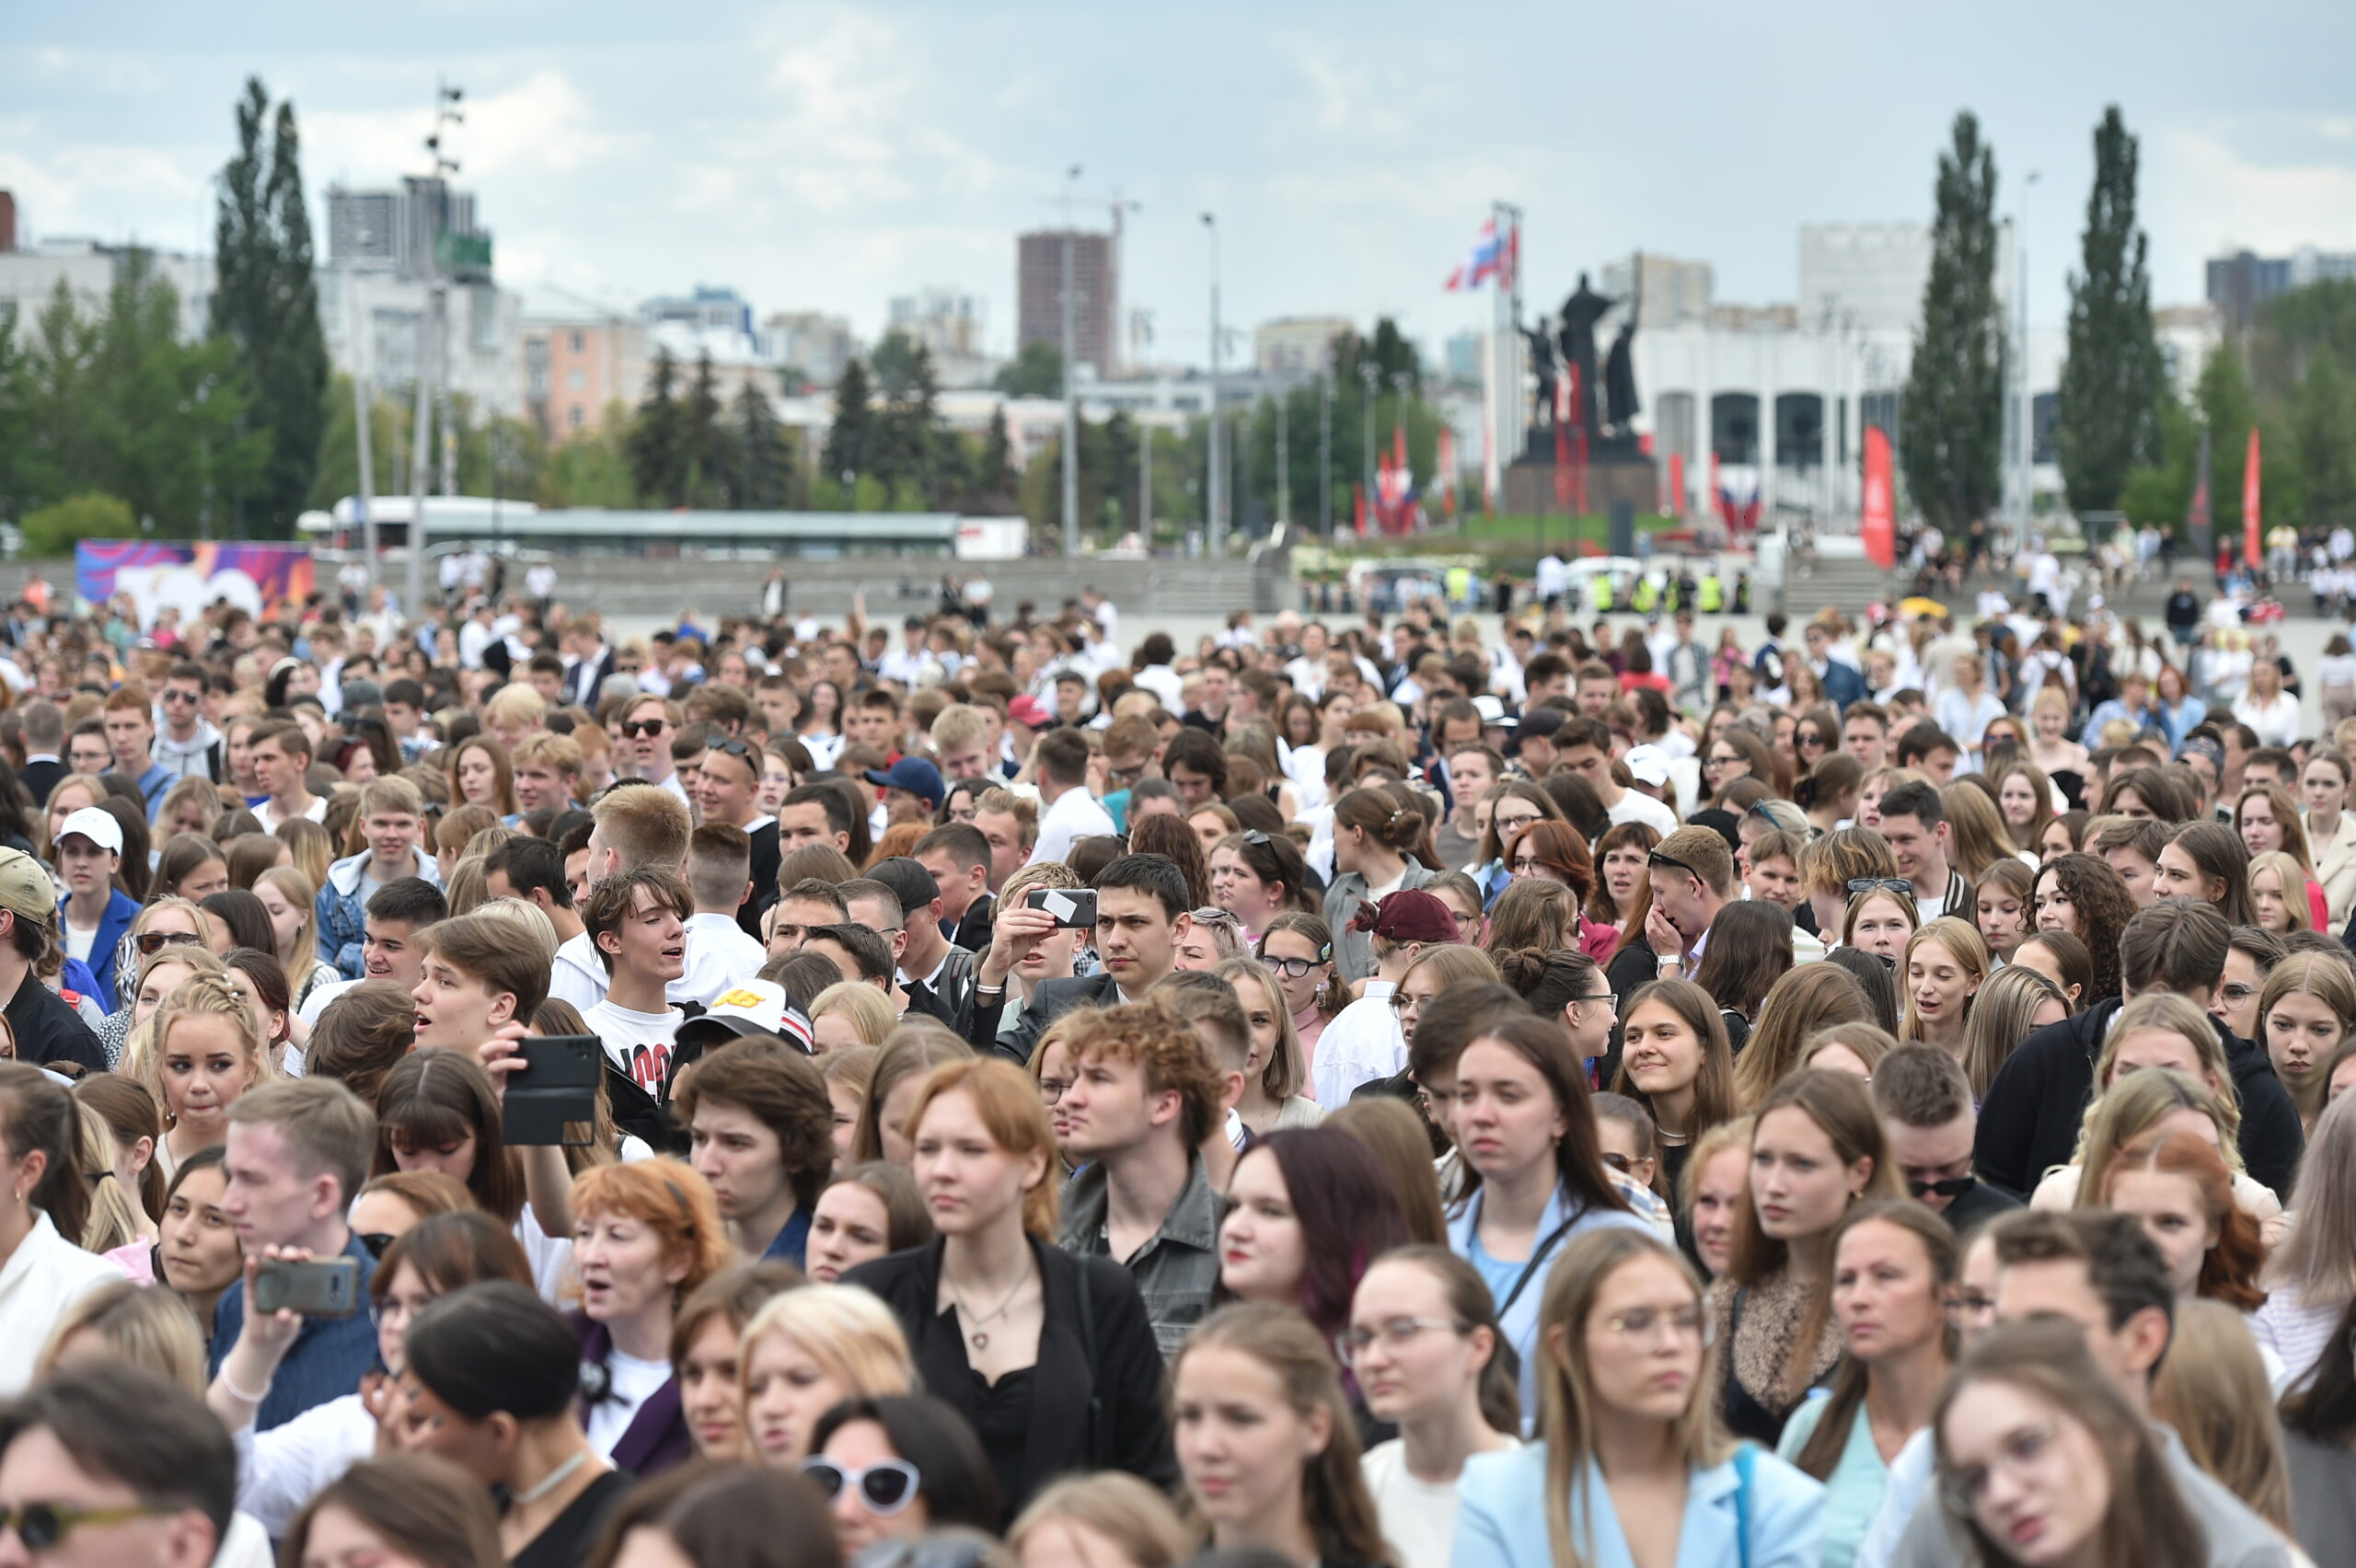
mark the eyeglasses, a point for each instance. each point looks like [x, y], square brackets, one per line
[149, 943]
[41, 1525]
[1125, 775]
[1523, 865]
[2023, 1451]
[1292, 968]
[1394, 1334]
[884, 1487]
[1620, 1163]
[1722, 761]
[1052, 1089]
[1400, 1001]
[1607, 999]
[1878, 884]
[1645, 1323]
[644, 728]
[1467, 922]
[1654, 857]
[1947, 1187]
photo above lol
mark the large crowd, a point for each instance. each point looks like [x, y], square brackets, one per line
[1390, 1093]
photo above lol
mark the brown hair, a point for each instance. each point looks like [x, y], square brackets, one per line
[1804, 1000]
[781, 1088]
[1713, 1090]
[437, 1096]
[670, 1199]
[1821, 1453]
[1579, 1153]
[2229, 1269]
[1390, 1127]
[1007, 1099]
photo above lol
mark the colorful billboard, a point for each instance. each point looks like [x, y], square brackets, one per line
[190, 577]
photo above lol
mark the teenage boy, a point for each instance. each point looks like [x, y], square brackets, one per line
[1143, 1097]
[634, 827]
[44, 733]
[547, 766]
[728, 790]
[390, 811]
[298, 1155]
[187, 746]
[45, 1026]
[95, 913]
[1924, 1101]
[532, 869]
[144, 1473]
[760, 1129]
[648, 724]
[1584, 745]
[820, 813]
[912, 789]
[475, 978]
[720, 953]
[808, 906]
[1143, 911]
[638, 922]
[1693, 878]
[1069, 812]
[1865, 731]
[130, 722]
[936, 976]
[1915, 822]
[1011, 824]
[1473, 770]
[959, 859]
[405, 716]
[396, 913]
[281, 753]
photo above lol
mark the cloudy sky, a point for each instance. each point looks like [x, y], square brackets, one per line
[831, 155]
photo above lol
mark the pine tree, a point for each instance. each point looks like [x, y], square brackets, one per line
[995, 482]
[703, 442]
[1950, 438]
[2107, 424]
[850, 439]
[657, 445]
[267, 306]
[2228, 410]
[761, 465]
[2323, 428]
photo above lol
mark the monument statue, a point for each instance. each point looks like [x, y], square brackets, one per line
[1544, 369]
[1620, 380]
[1580, 313]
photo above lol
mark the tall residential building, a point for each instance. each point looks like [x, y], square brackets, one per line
[576, 367]
[396, 230]
[947, 323]
[28, 280]
[1674, 292]
[1038, 287]
[722, 310]
[7, 220]
[1297, 345]
[816, 344]
[2241, 283]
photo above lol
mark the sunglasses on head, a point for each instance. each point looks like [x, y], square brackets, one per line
[1878, 884]
[884, 1487]
[1654, 857]
[150, 944]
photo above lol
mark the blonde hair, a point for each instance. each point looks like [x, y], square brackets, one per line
[844, 1329]
[203, 995]
[1963, 942]
[112, 1221]
[2132, 1107]
[2179, 1016]
[869, 1013]
[1006, 1099]
[1138, 1520]
[296, 889]
[2212, 1390]
[152, 1329]
[2291, 878]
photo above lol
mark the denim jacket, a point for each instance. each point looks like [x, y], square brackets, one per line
[1177, 1270]
[343, 909]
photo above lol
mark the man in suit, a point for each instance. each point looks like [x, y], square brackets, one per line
[1141, 914]
[728, 789]
[959, 859]
[588, 663]
[44, 731]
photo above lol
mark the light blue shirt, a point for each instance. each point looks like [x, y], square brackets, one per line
[1501, 1517]
[1853, 1491]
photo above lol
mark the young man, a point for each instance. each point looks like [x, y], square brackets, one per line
[961, 739]
[1931, 752]
[1142, 910]
[760, 1127]
[1915, 822]
[2132, 846]
[134, 1470]
[2039, 1095]
[1069, 813]
[281, 753]
[390, 812]
[1010, 823]
[634, 827]
[1533, 738]
[1143, 1097]
[720, 953]
[1584, 745]
[1924, 1102]
[1693, 878]
[532, 869]
[1210, 1006]
[298, 1153]
[44, 730]
[404, 716]
[1865, 731]
[1597, 688]
[396, 913]
[821, 813]
[806, 906]
[648, 725]
[474, 978]
[46, 1027]
[636, 919]
[937, 976]
[86, 750]
[912, 790]
[860, 955]
[728, 790]
[95, 913]
[1129, 756]
[548, 767]
[130, 722]
[959, 859]
[186, 746]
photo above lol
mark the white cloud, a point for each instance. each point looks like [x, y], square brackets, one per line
[540, 123]
[2204, 196]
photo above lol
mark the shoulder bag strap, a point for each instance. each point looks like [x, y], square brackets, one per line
[1537, 1260]
[1745, 1462]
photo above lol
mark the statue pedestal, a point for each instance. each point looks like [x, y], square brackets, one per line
[1615, 471]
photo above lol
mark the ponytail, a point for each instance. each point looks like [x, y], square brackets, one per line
[38, 1117]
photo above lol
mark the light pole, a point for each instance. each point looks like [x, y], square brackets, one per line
[430, 345]
[2026, 451]
[1325, 445]
[1071, 397]
[1215, 498]
[1369, 375]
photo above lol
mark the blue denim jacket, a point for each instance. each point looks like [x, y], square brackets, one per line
[343, 909]
[327, 1361]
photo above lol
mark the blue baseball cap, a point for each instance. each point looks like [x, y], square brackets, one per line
[915, 774]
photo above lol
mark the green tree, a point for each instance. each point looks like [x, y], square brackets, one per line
[1035, 372]
[1951, 437]
[266, 306]
[51, 530]
[2229, 410]
[2107, 425]
[703, 441]
[896, 363]
[762, 471]
[659, 458]
[2323, 440]
[994, 479]
[852, 435]
[593, 468]
[2161, 492]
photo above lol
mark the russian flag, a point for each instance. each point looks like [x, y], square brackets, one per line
[1486, 259]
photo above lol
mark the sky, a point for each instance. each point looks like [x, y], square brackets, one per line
[830, 156]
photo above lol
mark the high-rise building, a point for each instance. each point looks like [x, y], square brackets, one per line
[1673, 293]
[397, 231]
[946, 323]
[2241, 283]
[1039, 288]
[1298, 345]
[703, 309]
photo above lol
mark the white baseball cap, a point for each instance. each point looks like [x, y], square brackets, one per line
[1647, 765]
[99, 827]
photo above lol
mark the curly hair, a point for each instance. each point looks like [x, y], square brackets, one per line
[2103, 906]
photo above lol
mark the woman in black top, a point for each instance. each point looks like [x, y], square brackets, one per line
[1048, 1355]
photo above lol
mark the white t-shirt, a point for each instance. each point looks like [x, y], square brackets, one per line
[1636, 806]
[634, 1382]
[718, 954]
[1418, 1517]
[1076, 815]
[78, 942]
[639, 1043]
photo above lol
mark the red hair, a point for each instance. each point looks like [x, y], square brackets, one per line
[2229, 1270]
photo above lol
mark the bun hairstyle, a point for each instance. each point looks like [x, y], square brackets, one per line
[1393, 824]
[1548, 981]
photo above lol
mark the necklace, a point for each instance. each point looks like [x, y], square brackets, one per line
[974, 1332]
[549, 1481]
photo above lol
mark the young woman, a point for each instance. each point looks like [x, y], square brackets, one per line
[2081, 895]
[1857, 1049]
[2175, 1183]
[2266, 708]
[1623, 885]
[293, 904]
[892, 1093]
[2268, 824]
[1674, 1061]
[864, 1211]
[1804, 1001]
[2136, 1104]
[992, 1307]
[1893, 1280]
[290, 1462]
[1816, 1150]
[1748, 949]
[480, 775]
[1874, 786]
[804, 1352]
[1306, 1211]
[1632, 1469]
[1255, 877]
[2025, 798]
[1107, 1520]
[1709, 1195]
[849, 1014]
[2311, 1277]
[2011, 1004]
[1978, 837]
[1298, 950]
[822, 714]
[1944, 965]
[2003, 913]
[1829, 864]
[191, 866]
[197, 1256]
[1275, 1072]
[1514, 806]
[1881, 920]
[206, 1051]
[2063, 836]
[1533, 1171]
[645, 1235]
[1266, 1443]
[1536, 912]
[897, 1466]
[2275, 905]
[1423, 1344]
[1375, 840]
[2305, 1012]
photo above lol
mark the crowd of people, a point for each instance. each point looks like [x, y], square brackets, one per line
[1377, 1095]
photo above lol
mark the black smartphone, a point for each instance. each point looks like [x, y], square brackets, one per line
[1073, 908]
[323, 1287]
[557, 1084]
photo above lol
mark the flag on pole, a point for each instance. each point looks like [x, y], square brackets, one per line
[1359, 492]
[1675, 504]
[2199, 530]
[1443, 462]
[2250, 503]
[1489, 258]
[1879, 526]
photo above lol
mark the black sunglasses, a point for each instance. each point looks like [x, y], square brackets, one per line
[644, 728]
[1879, 884]
[149, 943]
[1654, 857]
[1950, 1188]
[374, 1240]
[41, 1525]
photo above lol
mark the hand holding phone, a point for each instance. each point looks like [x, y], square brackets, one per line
[315, 1288]
[557, 1084]
[1073, 908]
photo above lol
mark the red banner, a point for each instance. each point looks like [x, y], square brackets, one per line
[2250, 503]
[1879, 526]
[1676, 484]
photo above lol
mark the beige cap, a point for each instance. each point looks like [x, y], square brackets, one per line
[26, 889]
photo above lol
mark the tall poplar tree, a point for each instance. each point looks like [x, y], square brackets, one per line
[2107, 422]
[1951, 437]
[657, 447]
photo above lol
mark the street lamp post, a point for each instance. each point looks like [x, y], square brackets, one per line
[1071, 399]
[1215, 498]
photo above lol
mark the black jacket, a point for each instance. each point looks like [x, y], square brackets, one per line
[1049, 1002]
[2029, 1122]
[40, 778]
[762, 874]
[49, 1030]
[1092, 1406]
[974, 932]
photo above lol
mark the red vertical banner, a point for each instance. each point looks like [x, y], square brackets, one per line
[1879, 525]
[1676, 507]
[2250, 490]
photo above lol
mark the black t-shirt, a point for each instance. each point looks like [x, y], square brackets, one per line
[566, 1541]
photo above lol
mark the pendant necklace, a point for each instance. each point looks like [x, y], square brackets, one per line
[976, 1334]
